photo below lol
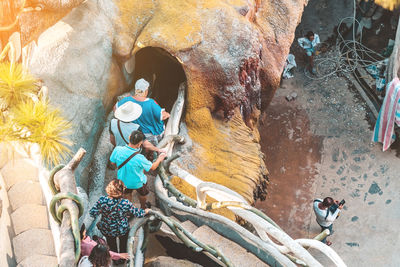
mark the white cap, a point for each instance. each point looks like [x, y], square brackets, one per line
[141, 85]
[128, 112]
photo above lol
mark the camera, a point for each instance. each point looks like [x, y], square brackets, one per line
[335, 206]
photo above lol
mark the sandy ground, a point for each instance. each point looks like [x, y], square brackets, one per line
[320, 145]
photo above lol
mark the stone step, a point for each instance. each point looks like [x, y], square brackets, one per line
[163, 261]
[188, 225]
[29, 216]
[31, 242]
[6, 230]
[39, 261]
[19, 170]
[166, 231]
[25, 192]
[10, 152]
[235, 253]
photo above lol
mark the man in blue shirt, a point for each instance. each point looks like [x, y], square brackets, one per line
[151, 120]
[131, 169]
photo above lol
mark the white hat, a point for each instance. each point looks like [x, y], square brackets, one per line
[128, 112]
[141, 85]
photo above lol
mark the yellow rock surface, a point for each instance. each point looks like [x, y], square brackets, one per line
[232, 52]
[214, 40]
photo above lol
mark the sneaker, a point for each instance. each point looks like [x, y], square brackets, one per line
[313, 71]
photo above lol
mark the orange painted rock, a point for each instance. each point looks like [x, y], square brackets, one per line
[230, 52]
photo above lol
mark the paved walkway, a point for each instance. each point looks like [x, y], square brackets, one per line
[319, 145]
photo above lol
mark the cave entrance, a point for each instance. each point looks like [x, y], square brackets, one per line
[162, 71]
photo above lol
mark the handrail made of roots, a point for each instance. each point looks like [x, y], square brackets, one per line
[216, 205]
[62, 182]
[263, 247]
[187, 204]
[220, 193]
[185, 236]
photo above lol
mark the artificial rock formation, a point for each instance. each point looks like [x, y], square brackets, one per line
[232, 53]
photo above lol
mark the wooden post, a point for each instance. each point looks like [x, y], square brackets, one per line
[64, 181]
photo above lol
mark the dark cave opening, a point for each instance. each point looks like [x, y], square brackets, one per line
[162, 71]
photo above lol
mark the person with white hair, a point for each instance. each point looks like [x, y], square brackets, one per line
[152, 118]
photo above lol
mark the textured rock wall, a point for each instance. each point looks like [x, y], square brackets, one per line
[232, 52]
[74, 60]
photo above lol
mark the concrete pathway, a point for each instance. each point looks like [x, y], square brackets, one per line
[319, 145]
[24, 218]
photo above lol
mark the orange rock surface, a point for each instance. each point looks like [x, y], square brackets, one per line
[232, 53]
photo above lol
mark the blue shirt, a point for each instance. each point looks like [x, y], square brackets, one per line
[150, 120]
[132, 172]
[126, 128]
[114, 215]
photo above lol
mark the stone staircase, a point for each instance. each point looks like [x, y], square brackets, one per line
[25, 235]
[234, 252]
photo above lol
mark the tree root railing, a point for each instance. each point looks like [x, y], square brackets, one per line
[270, 228]
[224, 204]
[264, 226]
[66, 208]
[185, 236]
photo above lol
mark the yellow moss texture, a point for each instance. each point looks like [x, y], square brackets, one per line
[224, 152]
[228, 153]
[175, 25]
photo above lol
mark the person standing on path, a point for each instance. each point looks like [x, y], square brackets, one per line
[115, 212]
[308, 43]
[131, 166]
[151, 120]
[325, 217]
[122, 126]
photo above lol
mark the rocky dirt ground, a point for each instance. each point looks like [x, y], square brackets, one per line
[320, 145]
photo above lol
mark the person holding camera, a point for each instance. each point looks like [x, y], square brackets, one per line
[327, 210]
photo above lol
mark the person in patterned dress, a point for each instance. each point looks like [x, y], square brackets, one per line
[115, 212]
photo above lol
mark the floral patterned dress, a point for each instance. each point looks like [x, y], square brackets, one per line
[114, 215]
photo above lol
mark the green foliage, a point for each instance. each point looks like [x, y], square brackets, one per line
[26, 118]
[40, 124]
[16, 86]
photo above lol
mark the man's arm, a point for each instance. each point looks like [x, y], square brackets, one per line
[113, 160]
[160, 158]
[150, 147]
[112, 139]
[331, 217]
[301, 42]
[164, 115]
